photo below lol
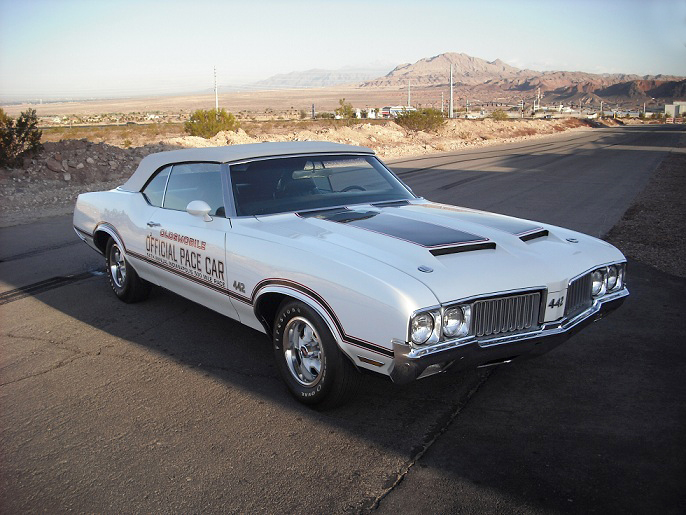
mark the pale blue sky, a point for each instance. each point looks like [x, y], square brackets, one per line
[87, 48]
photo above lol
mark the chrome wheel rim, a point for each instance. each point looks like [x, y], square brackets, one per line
[303, 351]
[117, 266]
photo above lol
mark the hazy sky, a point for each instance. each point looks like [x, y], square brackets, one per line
[84, 48]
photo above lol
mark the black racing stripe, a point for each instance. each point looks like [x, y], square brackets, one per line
[420, 233]
[506, 224]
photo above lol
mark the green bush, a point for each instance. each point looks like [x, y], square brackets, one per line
[345, 109]
[427, 120]
[499, 115]
[17, 137]
[207, 123]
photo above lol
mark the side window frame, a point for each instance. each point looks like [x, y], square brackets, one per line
[164, 188]
[223, 173]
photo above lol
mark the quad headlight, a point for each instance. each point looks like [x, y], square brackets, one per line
[440, 323]
[607, 279]
[456, 321]
[421, 327]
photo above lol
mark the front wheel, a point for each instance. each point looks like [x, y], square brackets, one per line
[123, 278]
[313, 367]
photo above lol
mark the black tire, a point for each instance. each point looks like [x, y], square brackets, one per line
[123, 278]
[309, 360]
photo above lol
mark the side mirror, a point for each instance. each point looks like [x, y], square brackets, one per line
[199, 208]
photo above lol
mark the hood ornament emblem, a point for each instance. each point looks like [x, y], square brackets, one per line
[572, 240]
[425, 269]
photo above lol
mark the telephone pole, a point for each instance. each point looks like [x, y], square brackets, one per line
[216, 97]
[450, 114]
[442, 103]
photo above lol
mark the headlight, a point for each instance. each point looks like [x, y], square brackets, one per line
[421, 328]
[456, 321]
[598, 282]
[612, 277]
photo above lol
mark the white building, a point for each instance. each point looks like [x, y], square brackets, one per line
[675, 110]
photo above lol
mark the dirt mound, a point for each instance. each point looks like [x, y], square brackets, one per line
[48, 183]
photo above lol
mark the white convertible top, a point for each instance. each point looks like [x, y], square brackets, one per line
[150, 164]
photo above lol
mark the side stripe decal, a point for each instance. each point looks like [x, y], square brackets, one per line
[250, 301]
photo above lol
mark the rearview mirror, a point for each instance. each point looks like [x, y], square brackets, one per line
[199, 208]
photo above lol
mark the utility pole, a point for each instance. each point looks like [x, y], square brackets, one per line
[450, 114]
[216, 98]
[601, 108]
[408, 94]
[313, 112]
[442, 102]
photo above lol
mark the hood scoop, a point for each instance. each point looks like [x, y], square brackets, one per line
[532, 235]
[462, 248]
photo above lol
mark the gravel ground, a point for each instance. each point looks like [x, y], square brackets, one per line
[651, 231]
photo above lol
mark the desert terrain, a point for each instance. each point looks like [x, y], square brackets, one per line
[80, 160]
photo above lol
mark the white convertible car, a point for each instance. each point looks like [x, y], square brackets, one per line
[324, 249]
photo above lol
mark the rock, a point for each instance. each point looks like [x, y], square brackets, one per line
[90, 160]
[67, 176]
[58, 157]
[53, 165]
[65, 164]
[114, 165]
[80, 166]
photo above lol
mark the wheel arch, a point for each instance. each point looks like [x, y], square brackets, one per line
[268, 300]
[104, 232]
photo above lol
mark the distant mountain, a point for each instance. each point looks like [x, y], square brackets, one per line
[318, 78]
[432, 71]
[496, 79]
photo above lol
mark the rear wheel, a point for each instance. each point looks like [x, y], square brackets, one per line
[313, 367]
[123, 278]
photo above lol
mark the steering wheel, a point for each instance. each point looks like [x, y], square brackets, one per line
[353, 187]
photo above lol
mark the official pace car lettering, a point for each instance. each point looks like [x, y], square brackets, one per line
[186, 260]
[191, 242]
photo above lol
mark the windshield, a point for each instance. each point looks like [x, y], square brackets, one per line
[303, 183]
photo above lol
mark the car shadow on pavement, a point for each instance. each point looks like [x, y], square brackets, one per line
[598, 424]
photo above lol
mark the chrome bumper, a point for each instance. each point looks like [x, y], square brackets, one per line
[412, 363]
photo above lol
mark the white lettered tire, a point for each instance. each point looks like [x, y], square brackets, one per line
[313, 367]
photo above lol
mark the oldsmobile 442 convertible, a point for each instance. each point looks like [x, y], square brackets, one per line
[324, 249]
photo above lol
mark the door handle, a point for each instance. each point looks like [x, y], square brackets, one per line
[153, 224]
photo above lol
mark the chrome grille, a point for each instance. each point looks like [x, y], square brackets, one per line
[506, 314]
[578, 295]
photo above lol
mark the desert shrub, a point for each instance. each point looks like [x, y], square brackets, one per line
[207, 123]
[325, 115]
[427, 120]
[499, 115]
[344, 109]
[18, 136]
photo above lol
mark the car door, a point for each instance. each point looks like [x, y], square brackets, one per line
[186, 252]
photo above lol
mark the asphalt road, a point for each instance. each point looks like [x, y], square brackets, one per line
[166, 406]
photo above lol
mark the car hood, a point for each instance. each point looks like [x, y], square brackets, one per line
[456, 252]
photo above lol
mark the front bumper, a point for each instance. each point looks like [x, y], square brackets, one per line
[412, 363]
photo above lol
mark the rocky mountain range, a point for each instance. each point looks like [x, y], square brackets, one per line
[498, 80]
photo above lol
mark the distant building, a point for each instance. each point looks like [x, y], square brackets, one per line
[675, 110]
[394, 111]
